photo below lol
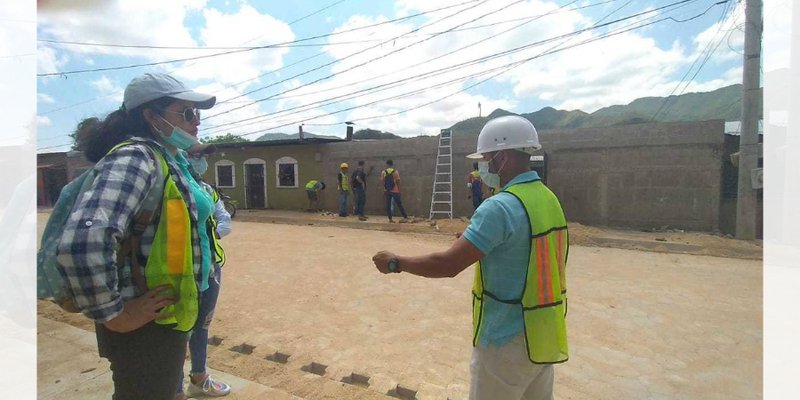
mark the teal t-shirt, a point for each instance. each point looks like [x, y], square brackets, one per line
[205, 207]
[499, 229]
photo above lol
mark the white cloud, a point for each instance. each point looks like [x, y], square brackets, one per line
[49, 61]
[157, 23]
[247, 27]
[109, 88]
[43, 120]
[43, 98]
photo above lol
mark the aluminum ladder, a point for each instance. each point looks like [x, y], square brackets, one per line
[442, 193]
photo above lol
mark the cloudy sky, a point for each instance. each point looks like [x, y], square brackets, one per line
[408, 66]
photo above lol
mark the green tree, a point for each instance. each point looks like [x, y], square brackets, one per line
[228, 138]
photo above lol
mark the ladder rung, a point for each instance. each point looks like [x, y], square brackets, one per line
[447, 193]
[442, 183]
[441, 202]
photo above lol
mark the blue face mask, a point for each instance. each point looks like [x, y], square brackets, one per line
[178, 138]
[199, 165]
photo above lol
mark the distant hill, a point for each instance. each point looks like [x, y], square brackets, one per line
[723, 103]
[289, 136]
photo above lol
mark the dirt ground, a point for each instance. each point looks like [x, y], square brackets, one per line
[653, 324]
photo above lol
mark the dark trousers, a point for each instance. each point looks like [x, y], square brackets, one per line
[361, 200]
[396, 197]
[145, 363]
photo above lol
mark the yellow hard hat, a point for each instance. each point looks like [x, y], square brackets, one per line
[344, 165]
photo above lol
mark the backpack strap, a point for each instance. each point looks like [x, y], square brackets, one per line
[151, 206]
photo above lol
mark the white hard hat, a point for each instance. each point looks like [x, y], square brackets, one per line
[505, 133]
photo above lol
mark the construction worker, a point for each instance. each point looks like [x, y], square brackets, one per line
[312, 190]
[344, 188]
[519, 240]
[390, 179]
[359, 180]
[475, 185]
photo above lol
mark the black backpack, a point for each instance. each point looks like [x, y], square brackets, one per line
[388, 180]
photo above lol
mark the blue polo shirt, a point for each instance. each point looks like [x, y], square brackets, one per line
[499, 229]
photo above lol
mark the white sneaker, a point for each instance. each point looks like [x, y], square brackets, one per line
[210, 387]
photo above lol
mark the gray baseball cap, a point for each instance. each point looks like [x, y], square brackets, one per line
[151, 86]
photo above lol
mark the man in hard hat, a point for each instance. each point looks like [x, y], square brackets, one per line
[519, 240]
[344, 188]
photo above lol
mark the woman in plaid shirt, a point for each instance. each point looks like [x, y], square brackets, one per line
[160, 115]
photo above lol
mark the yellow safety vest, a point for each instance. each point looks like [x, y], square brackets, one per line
[219, 252]
[170, 261]
[345, 185]
[476, 174]
[544, 297]
[311, 185]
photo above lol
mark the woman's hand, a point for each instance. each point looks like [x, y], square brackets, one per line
[143, 309]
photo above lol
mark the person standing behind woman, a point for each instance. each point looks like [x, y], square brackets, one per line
[219, 226]
[143, 302]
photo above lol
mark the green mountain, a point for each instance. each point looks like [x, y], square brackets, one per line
[723, 103]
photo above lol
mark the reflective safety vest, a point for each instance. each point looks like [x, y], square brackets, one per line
[344, 185]
[475, 175]
[170, 261]
[311, 185]
[219, 252]
[544, 297]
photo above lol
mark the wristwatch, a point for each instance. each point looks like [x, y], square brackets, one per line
[394, 265]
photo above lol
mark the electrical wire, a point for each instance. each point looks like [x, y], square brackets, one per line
[508, 68]
[441, 71]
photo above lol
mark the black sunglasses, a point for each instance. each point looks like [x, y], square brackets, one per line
[188, 114]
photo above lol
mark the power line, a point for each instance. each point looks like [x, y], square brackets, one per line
[505, 69]
[527, 20]
[396, 82]
[65, 73]
[295, 63]
[443, 70]
[357, 53]
[707, 51]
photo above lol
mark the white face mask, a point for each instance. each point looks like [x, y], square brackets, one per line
[178, 138]
[489, 178]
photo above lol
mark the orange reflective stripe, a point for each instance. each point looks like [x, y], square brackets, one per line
[176, 236]
[540, 266]
[547, 272]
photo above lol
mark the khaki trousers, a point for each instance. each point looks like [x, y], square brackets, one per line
[505, 373]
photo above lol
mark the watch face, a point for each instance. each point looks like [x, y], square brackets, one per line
[393, 265]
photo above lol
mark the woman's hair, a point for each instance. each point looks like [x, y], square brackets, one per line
[97, 137]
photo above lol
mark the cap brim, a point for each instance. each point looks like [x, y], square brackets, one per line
[201, 101]
[475, 155]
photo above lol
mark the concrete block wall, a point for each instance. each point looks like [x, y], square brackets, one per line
[637, 176]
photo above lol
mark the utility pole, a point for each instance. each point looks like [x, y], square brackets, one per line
[748, 133]
[479, 109]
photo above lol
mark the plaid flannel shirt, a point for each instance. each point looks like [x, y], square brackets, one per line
[103, 217]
